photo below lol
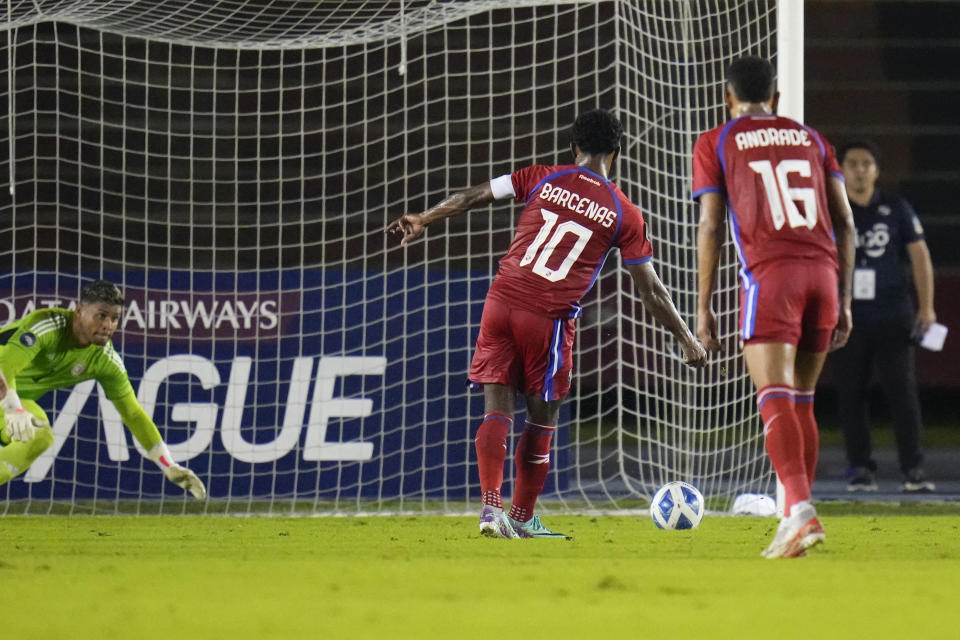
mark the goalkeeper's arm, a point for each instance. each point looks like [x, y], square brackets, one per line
[21, 424]
[146, 433]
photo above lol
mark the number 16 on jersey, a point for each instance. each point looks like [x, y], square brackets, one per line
[781, 196]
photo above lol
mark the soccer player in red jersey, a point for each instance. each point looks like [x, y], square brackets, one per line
[780, 183]
[573, 216]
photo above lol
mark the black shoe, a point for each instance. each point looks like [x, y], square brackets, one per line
[860, 479]
[914, 481]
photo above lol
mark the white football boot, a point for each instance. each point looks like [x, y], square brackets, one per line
[797, 533]
[495, 524]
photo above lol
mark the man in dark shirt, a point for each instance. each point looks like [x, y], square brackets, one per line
[886, 324]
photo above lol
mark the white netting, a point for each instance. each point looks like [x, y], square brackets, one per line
[232, 165]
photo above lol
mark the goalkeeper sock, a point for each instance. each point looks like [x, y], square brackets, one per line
[532, 459]
[803, 403]
[491, 445]
[784, 442]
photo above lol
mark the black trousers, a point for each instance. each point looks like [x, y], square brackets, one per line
[879, 343]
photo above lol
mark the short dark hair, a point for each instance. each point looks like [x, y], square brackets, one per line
[596, 131]
[866, 145]
[752, 79]
[101, 291]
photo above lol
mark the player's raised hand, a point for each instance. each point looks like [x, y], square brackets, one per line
[186, 480]
[707, 330]
[409, 225]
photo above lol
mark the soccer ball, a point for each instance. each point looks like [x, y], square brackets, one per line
[677, 505]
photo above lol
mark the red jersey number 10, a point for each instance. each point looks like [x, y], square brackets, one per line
[540, 266]
[781, 196]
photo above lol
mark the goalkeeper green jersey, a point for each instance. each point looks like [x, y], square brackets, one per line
[39, 353]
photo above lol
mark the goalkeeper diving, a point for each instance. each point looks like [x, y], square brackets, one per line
[55, 348]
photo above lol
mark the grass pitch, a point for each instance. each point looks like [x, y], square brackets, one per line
[877, 576]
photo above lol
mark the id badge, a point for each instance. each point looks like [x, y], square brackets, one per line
[864, 284]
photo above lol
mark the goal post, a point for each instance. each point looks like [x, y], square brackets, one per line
[790, 31]
[232, 166]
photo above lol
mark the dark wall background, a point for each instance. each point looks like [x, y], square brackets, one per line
[888, 71]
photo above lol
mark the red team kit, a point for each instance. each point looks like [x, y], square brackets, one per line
[572, 218]
[768, 227]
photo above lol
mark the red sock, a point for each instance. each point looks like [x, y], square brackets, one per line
[803, 401]
[784, 441]
[532, 458]
[491, 445]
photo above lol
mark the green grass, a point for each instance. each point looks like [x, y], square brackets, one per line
[877, 577]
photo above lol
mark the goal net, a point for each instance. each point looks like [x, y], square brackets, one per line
[231, 165]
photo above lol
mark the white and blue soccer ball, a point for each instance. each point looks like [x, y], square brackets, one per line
[677, 505]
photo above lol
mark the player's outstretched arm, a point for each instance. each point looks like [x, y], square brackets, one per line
[845, 234]
[656, 299]
[175, 473]
[711, 232]
[19, 421]
[147, 434]
[15, 356]
[411, 225]
[21, 425]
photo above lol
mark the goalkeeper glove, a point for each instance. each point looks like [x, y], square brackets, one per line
[186, 480]
[178, 475]
[21, 424]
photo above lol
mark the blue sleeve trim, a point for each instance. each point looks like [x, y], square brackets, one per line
[721, 141]
[700, 192]
[638, 260]
[839, 174]
[536, 189]
[816, 136]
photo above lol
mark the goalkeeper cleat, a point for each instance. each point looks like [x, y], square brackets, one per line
[797, 533]
[533, 528]
[495, 524]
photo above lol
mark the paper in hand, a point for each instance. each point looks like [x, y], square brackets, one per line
[934, 337]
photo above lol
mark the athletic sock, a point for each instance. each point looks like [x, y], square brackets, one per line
[803, 402]
[491, 446]
[784, 442]
[532, 459]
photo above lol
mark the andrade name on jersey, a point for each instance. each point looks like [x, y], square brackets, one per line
[578, 204]
[772, 137]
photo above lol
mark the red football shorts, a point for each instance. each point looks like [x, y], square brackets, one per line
[525, 350]
[791, 302]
